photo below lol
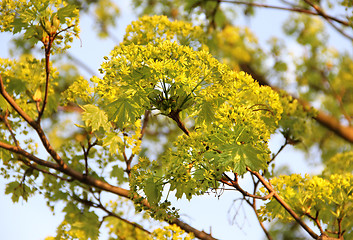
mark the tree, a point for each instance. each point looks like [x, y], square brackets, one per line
[190, 90]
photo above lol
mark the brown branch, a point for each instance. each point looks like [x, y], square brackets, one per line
[111, 214]
[64, 168]
[34, 124]
[101, 185]
[47, 48]
[25, 161]
[144, 124]
[253, 205]
[268, 186]
[175, 116]
[340, 232]
[18, 150]
[236, 185]
[321, 13]
[316, 220]
[14, 105]
[187, 228]
[44, 171]
[293, 9]
[327, 121]
[86, 153]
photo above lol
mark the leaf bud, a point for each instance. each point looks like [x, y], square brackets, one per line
[45, 23]
[55, 22]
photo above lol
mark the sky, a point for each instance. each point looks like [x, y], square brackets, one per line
[33, 220]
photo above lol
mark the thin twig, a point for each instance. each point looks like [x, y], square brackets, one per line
[316, 220]
[47, 48]
[44, 171]
[236, 185]
[8, 126]
[110, 213]
[329, 19]
[280, 150]
[321, 13]
[86, 153]
[253, 205]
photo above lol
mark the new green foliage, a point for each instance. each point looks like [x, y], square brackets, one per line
[170, 114]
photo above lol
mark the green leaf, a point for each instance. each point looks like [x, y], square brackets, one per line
[114, 141]
[118, 172]
[18, 24]
[123, 111]
[3, 103]
[152, 191]
[206, 113]
[67, 11]
[84, 223]
[95, 117]
[17, 190]
[242, 156]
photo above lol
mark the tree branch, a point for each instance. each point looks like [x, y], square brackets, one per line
[253, 205]
[329, 19]
[44, 171]
[18, 150]
[103, 186]
[236, 185]
[34, 124]
[293, 9]
[64, 168]
[316, 220]
[283, 203]
[327, 121]
[175, 116]
[47, 48]
[14, 105]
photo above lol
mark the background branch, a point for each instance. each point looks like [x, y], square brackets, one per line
[291, 9]
[327, 121]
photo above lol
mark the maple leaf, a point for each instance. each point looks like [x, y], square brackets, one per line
[239, 156]
[152, 191]
[123, 111]
[206, 113]
[95, 118]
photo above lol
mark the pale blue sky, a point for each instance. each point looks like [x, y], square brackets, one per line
[32, 220]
